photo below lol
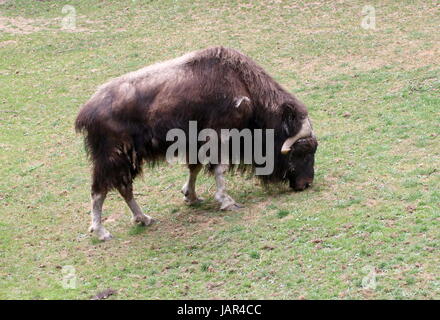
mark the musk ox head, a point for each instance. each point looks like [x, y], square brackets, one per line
[301, 163]
[300, 151]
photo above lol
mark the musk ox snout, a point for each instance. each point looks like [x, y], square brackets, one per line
[301, 184]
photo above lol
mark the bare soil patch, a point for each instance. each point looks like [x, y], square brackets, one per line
[7, 43]
[21, 25]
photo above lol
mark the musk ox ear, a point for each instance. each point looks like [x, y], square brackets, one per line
[291, 119]
[296, 125]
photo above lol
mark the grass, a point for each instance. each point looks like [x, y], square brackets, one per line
[374, 99]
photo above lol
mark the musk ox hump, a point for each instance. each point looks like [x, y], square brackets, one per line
[125, 94]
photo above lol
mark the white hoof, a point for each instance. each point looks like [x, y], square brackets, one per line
[227, 203]
[101, 233]
[231, 207]
[192, 201]
[190, 198]
[143, 220]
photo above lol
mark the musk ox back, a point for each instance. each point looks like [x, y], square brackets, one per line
[127, 121]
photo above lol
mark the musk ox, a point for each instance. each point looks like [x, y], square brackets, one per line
[126, 121]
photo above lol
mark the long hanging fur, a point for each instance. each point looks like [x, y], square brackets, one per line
[126, 121]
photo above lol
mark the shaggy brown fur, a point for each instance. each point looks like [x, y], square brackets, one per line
[126, 121]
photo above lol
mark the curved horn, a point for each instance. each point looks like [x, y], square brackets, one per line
[306, 131]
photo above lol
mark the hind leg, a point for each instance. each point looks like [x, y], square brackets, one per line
[139, 217]
[189, 188]
[99, 193]
[96, 227]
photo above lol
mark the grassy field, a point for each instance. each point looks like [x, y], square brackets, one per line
[368, 229]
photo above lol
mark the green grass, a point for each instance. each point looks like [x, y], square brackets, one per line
[373, 96]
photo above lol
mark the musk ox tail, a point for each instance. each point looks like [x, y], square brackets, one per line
[88, 123]
[86, 117]
[111, 149]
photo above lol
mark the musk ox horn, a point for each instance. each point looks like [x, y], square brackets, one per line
[306, 131]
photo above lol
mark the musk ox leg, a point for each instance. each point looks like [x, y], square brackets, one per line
[138, 216]
[96, 227]
[189, 188]
[226, 202]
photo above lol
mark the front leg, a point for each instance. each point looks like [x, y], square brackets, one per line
[226, 202]
[189, 188]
